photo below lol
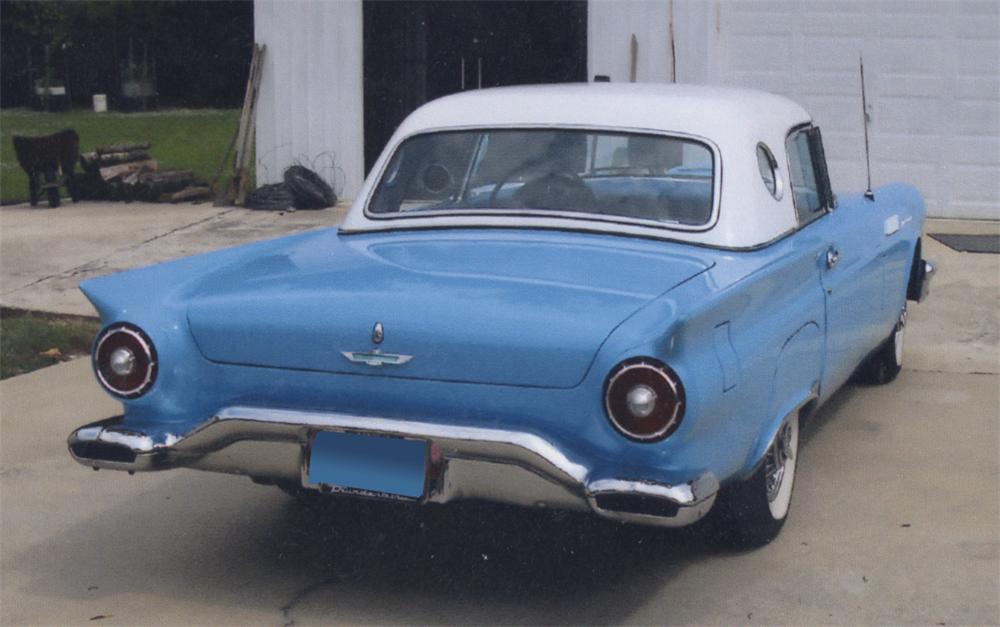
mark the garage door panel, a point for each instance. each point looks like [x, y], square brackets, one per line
[977, 57]
[915, 148]
[838, 20]
[975, 117]
[933, 73]
[914, 24]
[772, 81]
[977, 19]
[762, 52]
[908, 114]
[832, 53]
[927, 174]
[829, 112]
[905, 85]
[832, 84]
[907, 55]
[968, 182]
[892, 9]
[985, 88]
[973, 150]
[762, 17]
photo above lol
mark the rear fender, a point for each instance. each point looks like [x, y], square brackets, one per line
[795, 385]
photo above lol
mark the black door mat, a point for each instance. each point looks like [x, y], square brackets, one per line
[969, 243]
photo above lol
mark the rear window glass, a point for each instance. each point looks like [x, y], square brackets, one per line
[644, 177]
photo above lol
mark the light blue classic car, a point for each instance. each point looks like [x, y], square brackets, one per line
[616, 298]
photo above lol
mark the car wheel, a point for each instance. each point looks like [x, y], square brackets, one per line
[753, 511]
[884, 366]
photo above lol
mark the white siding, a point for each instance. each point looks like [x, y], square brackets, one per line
[311, 97]
[610, 26]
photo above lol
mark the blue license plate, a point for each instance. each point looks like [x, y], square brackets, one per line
[368, 463]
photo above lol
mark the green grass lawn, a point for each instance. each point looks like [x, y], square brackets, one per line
[189, 139]
[29, 340]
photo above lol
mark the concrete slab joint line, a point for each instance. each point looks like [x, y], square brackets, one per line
[83, 266]
[44, 254]
[286, 610]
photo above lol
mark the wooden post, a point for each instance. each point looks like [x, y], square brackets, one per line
[236, 189]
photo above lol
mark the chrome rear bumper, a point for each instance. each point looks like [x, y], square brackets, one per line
[467, 462]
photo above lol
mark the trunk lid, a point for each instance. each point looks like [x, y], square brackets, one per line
[506, 308]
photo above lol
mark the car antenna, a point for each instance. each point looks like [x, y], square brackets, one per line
[869, 194]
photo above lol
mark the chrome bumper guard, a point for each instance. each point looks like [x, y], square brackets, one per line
[467, 462]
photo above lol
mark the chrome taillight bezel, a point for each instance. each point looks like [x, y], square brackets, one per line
[667, 383]
[130, 336]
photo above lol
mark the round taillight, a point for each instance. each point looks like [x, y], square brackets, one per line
[644, 399]
[125, 360]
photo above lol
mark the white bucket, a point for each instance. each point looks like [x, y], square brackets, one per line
[100, 103]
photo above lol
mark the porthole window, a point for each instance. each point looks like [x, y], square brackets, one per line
[769, 174]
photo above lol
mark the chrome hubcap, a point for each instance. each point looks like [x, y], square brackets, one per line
[898, 339]
[778, 456]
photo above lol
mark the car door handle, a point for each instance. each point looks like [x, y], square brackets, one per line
[832, 257]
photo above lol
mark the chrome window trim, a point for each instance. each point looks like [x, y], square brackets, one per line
[825, 209]
[717, 174]
[779, 186]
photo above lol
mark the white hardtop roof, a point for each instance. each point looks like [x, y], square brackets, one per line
[733, 121]
[710, 112]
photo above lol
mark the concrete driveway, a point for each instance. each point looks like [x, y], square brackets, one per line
[896, 518]
[45, 253]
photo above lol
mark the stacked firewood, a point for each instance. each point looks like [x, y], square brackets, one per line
[128, 172]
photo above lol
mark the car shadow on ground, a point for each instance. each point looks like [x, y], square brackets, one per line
[198, 538]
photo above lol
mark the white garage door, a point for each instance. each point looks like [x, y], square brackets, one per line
[933, 76]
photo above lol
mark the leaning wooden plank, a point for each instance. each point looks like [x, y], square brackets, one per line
[244, 174]
[250, 134]
[255, 63]
[226, 192]
[115, 171]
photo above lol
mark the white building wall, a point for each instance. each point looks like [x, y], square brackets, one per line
[610, 26]
[690, 23]
[311, 97]
[933, 74]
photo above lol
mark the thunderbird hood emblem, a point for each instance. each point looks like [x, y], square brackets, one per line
[376, 357]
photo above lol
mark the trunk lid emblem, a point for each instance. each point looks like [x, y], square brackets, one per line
[376, 357]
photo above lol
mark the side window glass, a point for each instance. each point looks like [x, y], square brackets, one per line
[802, 174]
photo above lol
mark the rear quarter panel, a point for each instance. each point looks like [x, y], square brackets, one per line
[767, 305]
